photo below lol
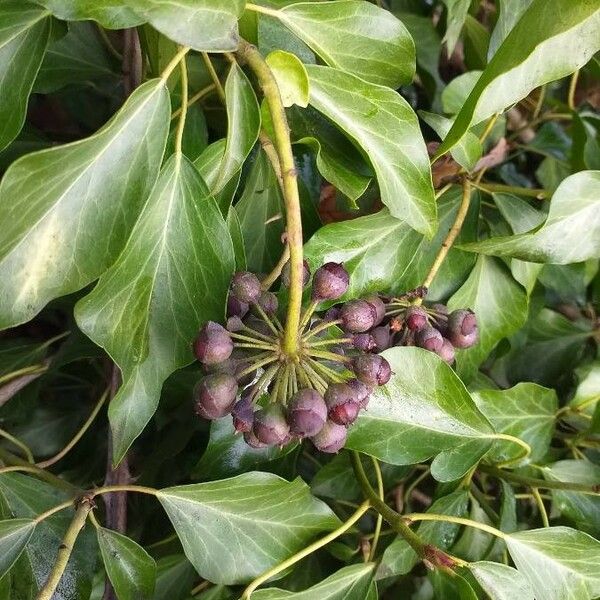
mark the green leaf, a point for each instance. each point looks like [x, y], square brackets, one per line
[131, 570]
[526, 411]
[175, 578]
[24, 33]
[382, 123]
[291, 77]
[381, 49]
[424, 411]
[235, 529]
[349, 583]
[399, 558]
[570, 234]
[457, 11]
[559, 562]
[510, 12]
[112, 14]
[204, 25]
[539, 49]
[587, 394]
[382, 253]
[500, 304]
[51, 201]
[14, 535]
[455, 94]
[228, 454]
[501, 582]
[582, 509]
[235, 231]
[243, 125]
[147, 308]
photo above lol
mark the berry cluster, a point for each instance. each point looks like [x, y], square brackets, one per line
[274, 397]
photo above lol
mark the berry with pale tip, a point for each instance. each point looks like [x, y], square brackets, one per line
[446, 352]
[214, 395]
[372, 369]
[213, 344]
[330, 282]
[415, 318]
[358, 316]
[243, 415]
[342, 405]
[270, 425]
[307, 413]
[430, 339]
[361, 390]
[245, 286]
[331, 438]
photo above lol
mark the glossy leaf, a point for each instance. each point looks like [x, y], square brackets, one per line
[291, 77]
[501, 582]
[500, 304]
[349, 583]
[423, 412]
[382, 123]
[24, 34]
[51, 200]
[14, 535]
[526, 411]
[250, 523]
[148, 307]
[559, 562]
[382, 51]
[205, 25]
[131, 570]
[112, 14]
[456, 14]
[570, 234]
[243, 117]
[540, 48]
[509, 13]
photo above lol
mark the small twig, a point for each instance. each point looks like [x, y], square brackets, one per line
[381, 493]
[490, 188]
[213, 75]
[572, 89]
[209, 89]
[19, 444]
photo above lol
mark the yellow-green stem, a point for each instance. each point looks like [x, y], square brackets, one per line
[490, 188]
[458, 520]
[268, 84]
[381, 493]
[173, 63]
[572, 89]
[184, 107]
[540, 504]
[19, 444]
[213, 75]
[209, 89]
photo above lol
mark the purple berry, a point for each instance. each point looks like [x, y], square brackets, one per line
[268, 302]
[243, 415]
[377, 303]
[270, 426]
[361, 391]
[234, 324]
[382, 336]
[285, 274]
[342, 404]
[430, 339]
[213, 344]
[330, 282]
[363, 341]
[372, 369]
[258, 325]
[253, 441]
[245, 286]
[463, 341]
[235, 307]
[462, 322]
[415, 318]
[358, 316]
[307, 413]
[331, 438]
[214, 395]
[446, 352]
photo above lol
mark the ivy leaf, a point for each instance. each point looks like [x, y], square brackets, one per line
[582, 509]
[14, 535]
[424, 411]
[349, 583]
[540, 48]
[131, 570]
[570, 234]
[382, 50]
[175, 577]
[147, 308]
[500, 304]
[204, 25]
[250, 523]
[385, 127]
[24, 34]
[51, 200]
[501, 582]
[457, 11]
[559, 562]
[228, 454]
[384, 253]
[509, 13]
[112, 14]
[243, 125]
[291, 77]
[526, 411]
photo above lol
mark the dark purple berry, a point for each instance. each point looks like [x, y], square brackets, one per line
[333, 314]
[235, 307]
[463, 341]
[377, 303]
[462, 321]
[214, 395]
[253, 441]
[331, 438]
[415, 318]
[268, 302]
[358, 316]
[270, 426]
[382, 336]
[245, 286]
[342, 405]
[363, 341]
[330, 282]
[243, 415]
[213, 344]
[430, 339]
[234, 324]
[307, 413]
[285, 274]
[446, 352]
[227, 366]
[372, 369]
[362, 392]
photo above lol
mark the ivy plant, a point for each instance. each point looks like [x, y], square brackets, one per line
[299, 300]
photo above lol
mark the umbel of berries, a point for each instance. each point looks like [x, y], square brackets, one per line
[274, 398]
